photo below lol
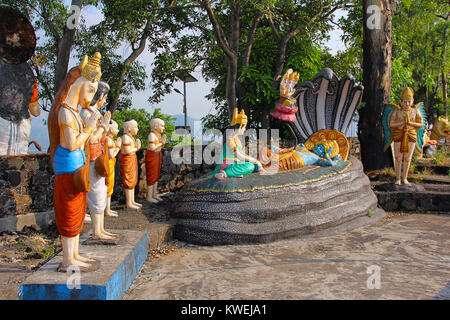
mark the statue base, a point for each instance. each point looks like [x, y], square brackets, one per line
[392, 187]
[92, 241]
[261, 208]
[119, 266]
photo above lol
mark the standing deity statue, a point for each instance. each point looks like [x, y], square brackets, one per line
[404, 128]
[97, 195]
[286, 108]
[113, 148]
[153, 158]
[70, 157]
[235, 162]
[128, 162]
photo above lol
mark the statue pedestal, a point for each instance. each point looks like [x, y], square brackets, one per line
[119, 266]
[263, 208]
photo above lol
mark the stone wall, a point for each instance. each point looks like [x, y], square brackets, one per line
[26, 182]
[173, 176]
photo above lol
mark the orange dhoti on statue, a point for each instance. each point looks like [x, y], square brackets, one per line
[110, 178]
[153, 166]
[404, 136]
[70, 206]
[128, 170]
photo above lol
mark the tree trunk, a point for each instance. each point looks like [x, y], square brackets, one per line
[377, 54]
[64, 49]
[444, 92]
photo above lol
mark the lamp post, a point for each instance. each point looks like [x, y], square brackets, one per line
[185, 77]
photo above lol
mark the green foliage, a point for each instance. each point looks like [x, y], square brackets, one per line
[143, 118]
[419, 49]
[420, 43]
[48, 18]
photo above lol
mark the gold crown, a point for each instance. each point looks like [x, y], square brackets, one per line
[295, 76]
[407, 94]
[240, 118]
[91, 70]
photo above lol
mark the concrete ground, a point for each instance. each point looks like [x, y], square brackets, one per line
[400, 257]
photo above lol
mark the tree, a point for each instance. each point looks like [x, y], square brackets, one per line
[420, 41]
[53, 18]
[143, 118]
[377, 55]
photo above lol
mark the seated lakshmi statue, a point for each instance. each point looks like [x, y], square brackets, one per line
[320, 150]
[235, 162]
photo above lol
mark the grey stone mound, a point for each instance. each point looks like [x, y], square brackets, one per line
[212, 218]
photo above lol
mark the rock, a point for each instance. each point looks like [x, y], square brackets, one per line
[41, 178]
[257, 209]
[409, 204]
[14, 177]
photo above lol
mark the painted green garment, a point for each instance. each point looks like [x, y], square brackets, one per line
[237, 168]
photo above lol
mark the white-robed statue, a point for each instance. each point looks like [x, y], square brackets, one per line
[97, 195]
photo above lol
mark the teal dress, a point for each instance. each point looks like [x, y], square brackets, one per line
[231, 165]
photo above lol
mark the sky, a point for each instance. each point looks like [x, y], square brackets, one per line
[172, 104]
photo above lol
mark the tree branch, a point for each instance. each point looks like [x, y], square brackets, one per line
[220, 36]
[250, 38]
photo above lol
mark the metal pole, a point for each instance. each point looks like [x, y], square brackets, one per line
[185, 107]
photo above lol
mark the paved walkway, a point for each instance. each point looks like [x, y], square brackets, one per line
[405, 257]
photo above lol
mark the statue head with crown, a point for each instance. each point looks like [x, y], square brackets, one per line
[86, 86]
[239, 122]
[407, 98]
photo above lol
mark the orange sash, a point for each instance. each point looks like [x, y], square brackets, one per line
[128, 170]
[70, 206]
[153, 166]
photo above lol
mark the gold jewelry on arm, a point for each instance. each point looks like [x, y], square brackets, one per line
[87, 130]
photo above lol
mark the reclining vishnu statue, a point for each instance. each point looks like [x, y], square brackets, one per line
[283, 193]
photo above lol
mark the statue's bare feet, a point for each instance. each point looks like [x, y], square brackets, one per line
[132, 206]
[137, 204]
[103, 236]
[83, 259]
[109, 233]
[78, 263]
[221, 175]
[398, 182]
[152, 200]
[111, 213]
[405, 181]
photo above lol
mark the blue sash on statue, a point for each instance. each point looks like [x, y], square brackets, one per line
[65, 161]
